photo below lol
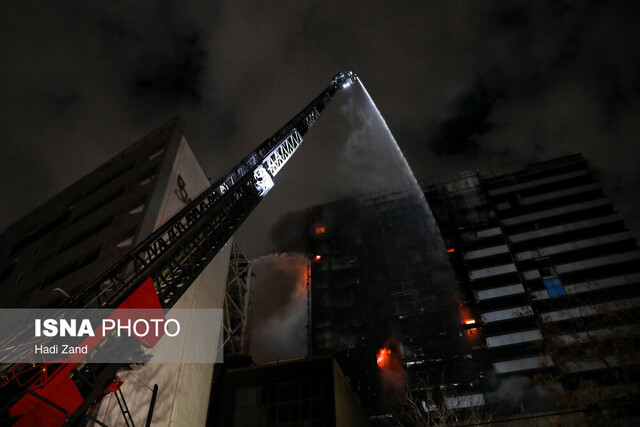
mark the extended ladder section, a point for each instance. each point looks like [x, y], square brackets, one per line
[174, 254]
[177, 251]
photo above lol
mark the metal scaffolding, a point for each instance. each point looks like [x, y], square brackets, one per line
[237, 303]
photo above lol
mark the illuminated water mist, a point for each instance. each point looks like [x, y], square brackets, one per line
[413, 185]
[428, 262]
[407, 168]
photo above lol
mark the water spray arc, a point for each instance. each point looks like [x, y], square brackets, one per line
[393, 199]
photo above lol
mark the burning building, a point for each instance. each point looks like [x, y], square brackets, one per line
[524, 292]
[382, 277]
[549, 273]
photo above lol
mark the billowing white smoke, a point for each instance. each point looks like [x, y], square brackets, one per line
[279, 307]
[517, 391]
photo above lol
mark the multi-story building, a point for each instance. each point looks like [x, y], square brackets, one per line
[80, 232]
[380, 280]
[545, 275]
[550, 273]
[71, 239]
[298, 392]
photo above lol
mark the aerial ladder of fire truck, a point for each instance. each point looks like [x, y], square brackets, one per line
[172, 256]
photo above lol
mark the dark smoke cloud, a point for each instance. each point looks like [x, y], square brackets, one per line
[279, 307]
[470, 119]
[463, 85]
[83, 80]
[289, 233]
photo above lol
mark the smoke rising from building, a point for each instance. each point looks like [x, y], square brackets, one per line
[279, 307]
[517, 391]
[564, 77]
[372, 163]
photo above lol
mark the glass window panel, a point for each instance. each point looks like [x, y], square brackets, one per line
[294, 391]
[316, 408]
[316, 387]
[554, 286]
[283, 392]
[305, 409]
[272, 393]
[252, 416]
[294, 412]
[283, 412]
[241, 397]
[272, 413]
[253, 397]
[239, 419]
[305, 388]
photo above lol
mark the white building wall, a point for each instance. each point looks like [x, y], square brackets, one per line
[183, 395]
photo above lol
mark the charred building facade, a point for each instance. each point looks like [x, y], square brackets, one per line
[540, 290]
[382, 288]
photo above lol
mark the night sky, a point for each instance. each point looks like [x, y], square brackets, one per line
[489, 85]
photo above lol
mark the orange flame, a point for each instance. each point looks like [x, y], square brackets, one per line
[383, 357]
[318, 257]
[389, 360]
[320, 230]
[467, 317]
